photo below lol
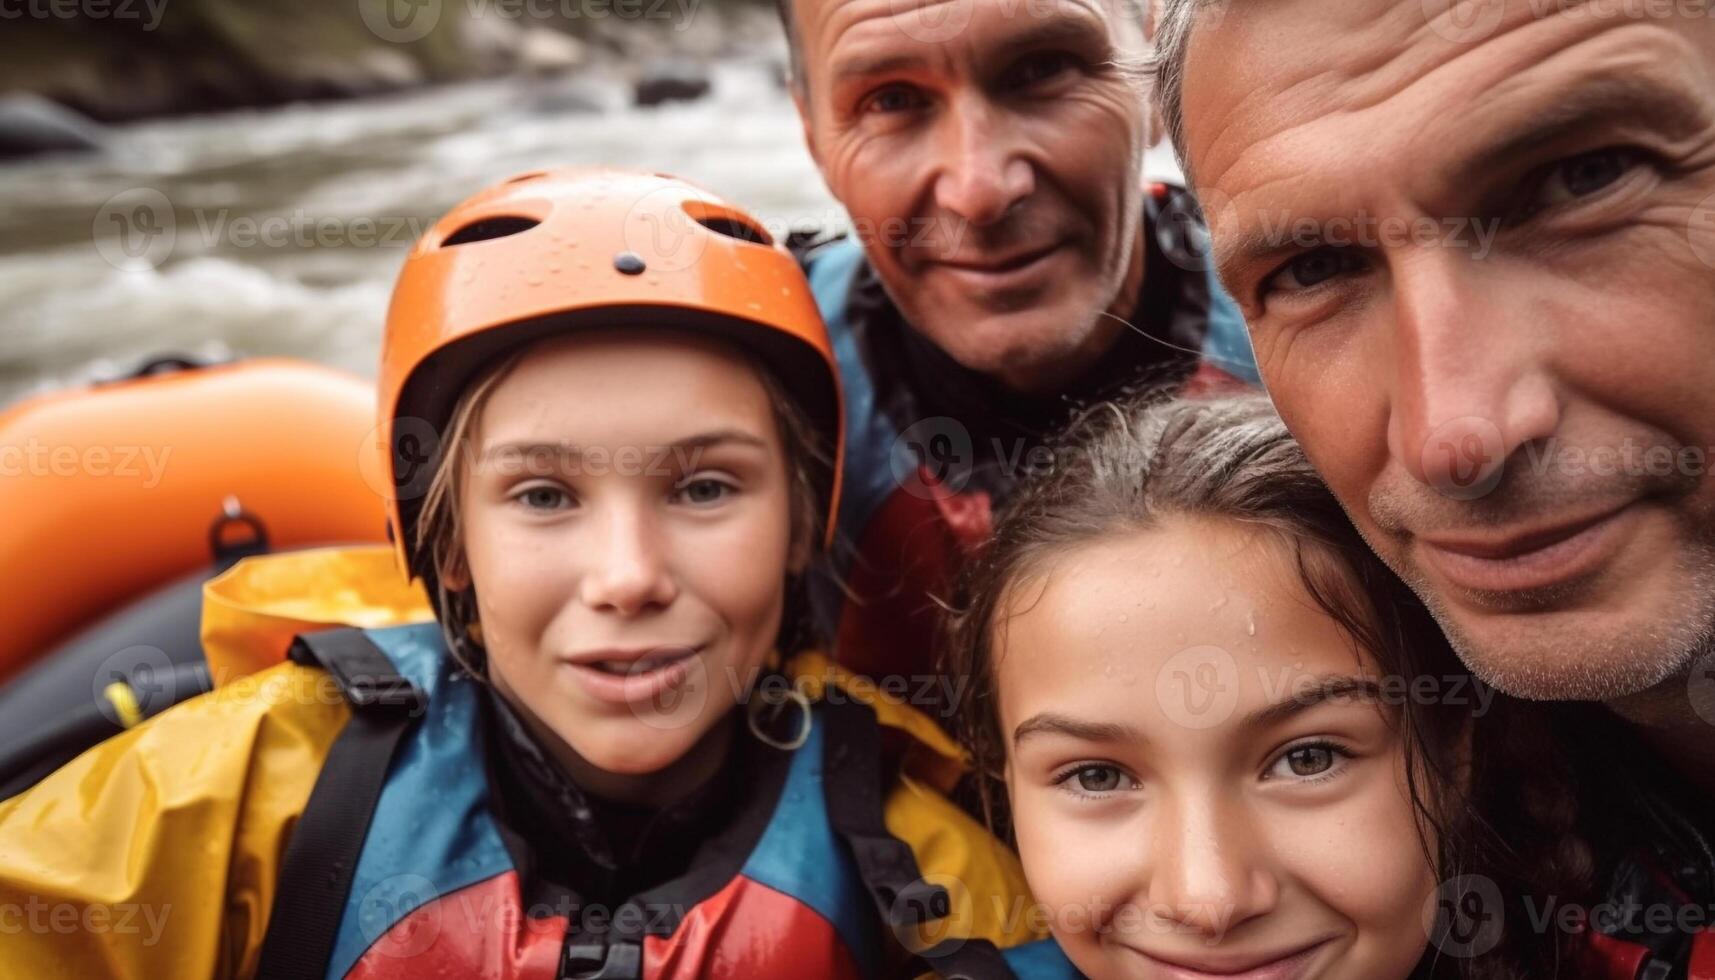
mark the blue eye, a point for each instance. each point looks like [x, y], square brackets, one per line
[704, 491]
[543, 498]
[1094, 779]
[1312, 269]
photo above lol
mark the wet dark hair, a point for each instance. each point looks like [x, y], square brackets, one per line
[1130, 465]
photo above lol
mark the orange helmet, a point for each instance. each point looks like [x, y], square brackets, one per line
[551, 251]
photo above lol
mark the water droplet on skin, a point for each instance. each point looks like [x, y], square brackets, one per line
[1218, 603]
[1250, 624]
[1124, 618]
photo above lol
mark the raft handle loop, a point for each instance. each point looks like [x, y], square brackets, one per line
[165, 364]
[227, 553]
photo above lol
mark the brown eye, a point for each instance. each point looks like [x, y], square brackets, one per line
[1311, 760]
[1041, 68]
[1590, 172]
[894, 98]
[1576, 177]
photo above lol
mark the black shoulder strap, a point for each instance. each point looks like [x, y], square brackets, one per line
[854, 783]
[316, 872]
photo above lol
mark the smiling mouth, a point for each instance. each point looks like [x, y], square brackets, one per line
[1001, 267]
[1533, 559]
[622, 667]
[635, 661]
[1285, 966]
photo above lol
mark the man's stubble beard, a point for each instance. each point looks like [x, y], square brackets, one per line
[1587, 667]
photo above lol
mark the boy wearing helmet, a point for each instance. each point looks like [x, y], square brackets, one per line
[611, 755]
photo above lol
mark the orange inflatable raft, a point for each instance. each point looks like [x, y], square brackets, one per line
[112, 490]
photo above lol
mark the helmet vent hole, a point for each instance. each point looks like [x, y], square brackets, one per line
[733, 228]
[489, 229]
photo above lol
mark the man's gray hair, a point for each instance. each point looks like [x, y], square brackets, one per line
[1167, 68]
[794, 56]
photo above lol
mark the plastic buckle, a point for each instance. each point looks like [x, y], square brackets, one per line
[886, 860]
[392, 691]
[595, 959]
[372, 682]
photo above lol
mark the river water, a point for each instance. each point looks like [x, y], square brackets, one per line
[279, 232]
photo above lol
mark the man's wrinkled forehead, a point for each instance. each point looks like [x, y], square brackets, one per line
[1258, 69]
[1283, 94]
[838, 35]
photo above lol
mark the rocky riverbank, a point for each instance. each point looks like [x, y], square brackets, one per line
[118, 60]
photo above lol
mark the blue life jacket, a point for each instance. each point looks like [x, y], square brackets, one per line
[399, 868]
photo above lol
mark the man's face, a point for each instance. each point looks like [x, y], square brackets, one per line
[1476, 248]
[990, 154]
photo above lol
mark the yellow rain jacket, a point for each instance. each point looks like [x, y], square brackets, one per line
[158, 853]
